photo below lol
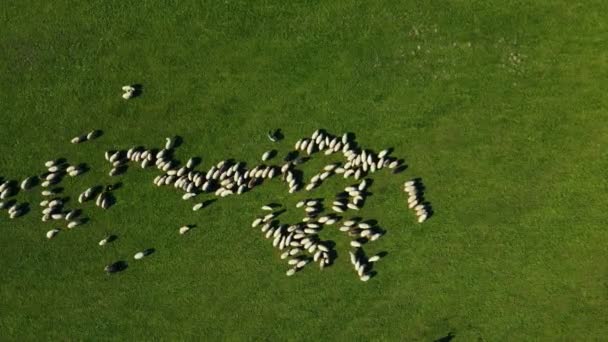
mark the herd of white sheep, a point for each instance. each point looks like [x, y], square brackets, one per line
[299, 242]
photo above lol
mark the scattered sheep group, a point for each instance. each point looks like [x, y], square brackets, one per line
[300, 241]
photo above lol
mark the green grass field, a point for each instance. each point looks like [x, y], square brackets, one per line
[500, 108]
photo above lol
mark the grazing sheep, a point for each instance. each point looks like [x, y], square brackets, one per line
[350, 223]
[323, 248]
[50, 163]
[115, 267]
[375, 258]
[267, 155]
[352, 206]
[331, 221]
[71, 215]
[364, 225]
[365, 277]
[188, 195]
[355, 244]
[78, 140]
[27, 183]
[375, 236]
[73, 224]
[183, 230]
[198, 206]
[92, 134]
[139, 255]
[256, 222]
[291, 272]
[52, 233]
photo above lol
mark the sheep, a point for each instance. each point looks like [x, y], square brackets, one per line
[322, 247]
[365, 277]
[363, 185]
[355, 244]
[375, 236]
[291, 272]
[267, 208]
[52, 233]
[268, 217]
[375, 258]
[78, 139]
[422, 218]
[71, 215]
[198, 206]
[277, 240]
[73, 224]
[9, 192]
[139, 256]
[183, 230]
[55, 203]
[267, 155]
[188, 195]
[352, 206]
[302, 263]
[410, 189]
[27, 183]
[92, 134]
[50, 163]
[16, 214]
[364, 225]
[128, 95]
[350, 223]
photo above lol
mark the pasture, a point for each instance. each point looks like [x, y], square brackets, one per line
[499, 108]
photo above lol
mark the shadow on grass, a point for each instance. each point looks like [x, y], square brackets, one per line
[116, 267]
[447, 338]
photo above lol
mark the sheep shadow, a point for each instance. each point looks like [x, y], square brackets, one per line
[76, 212]
[139, 90]
[278, 134]
[399, 169]
[8, 204]
[83, 167]
[272, 154]
[112, 187]
[149, 251]
[196, 161]
[24, 208]
[111, 238]
[447, 338]
[300, 160]
[110, 200]
[178, 140]
[208, 202]
[116, 267]
[291, 156]
[120, 170]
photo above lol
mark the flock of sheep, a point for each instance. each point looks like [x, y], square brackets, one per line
[300, 242]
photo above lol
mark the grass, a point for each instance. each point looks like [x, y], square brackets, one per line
[499, 107]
